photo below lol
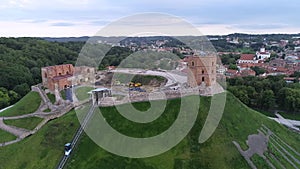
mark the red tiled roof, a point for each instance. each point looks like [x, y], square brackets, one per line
[281, 69]
[248, 72]
[247, 57]
[231, 71]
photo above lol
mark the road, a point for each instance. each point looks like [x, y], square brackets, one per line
[76, 137]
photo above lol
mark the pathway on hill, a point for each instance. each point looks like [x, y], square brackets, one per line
[292, 124]
[12, 129]
[56, 111]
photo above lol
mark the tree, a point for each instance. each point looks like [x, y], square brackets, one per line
[233, 66]
[258, 70]
[22, 89]
[13, 97]
[4, 99]
[267, 99]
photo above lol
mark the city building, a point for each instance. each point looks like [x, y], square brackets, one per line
[263, 54]
[247, 58]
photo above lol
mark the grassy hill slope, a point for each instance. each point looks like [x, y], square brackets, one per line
[218, 152]
[44, 149]
[28, 104]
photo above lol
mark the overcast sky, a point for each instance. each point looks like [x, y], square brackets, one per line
[62, 18]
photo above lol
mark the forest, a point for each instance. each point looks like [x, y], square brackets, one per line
[21, 60]
[269, 93]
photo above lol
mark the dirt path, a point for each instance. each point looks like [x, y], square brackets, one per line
[12, 129]
[20, 133]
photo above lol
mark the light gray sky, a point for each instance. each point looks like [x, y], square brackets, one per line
[62, 18]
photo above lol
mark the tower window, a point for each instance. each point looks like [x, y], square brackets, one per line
[203, 79]
[193, 64]
[202, 71]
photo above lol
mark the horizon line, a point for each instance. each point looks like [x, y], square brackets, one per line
[87, 36]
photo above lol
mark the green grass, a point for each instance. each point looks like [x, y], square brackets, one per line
[47, 110]
[280, 158]
[63, 94]
[283, 145]
[273, 161]
[218, 152]
[82, 92]
[259, 162]
[26, 123]
[28, 104]
[51, 97]
[5, 137]
[42, 150]
[267, 113]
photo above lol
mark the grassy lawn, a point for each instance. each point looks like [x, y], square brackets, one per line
[82, 92]
[259, 162]
[28, 104]
[42, 150]
[47, 110]
[5, 137]
[26, 123]
[51, 97]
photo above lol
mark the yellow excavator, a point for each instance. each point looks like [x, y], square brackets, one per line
[131, 84]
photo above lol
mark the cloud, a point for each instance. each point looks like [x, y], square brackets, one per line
[63, 24]
[212, 15]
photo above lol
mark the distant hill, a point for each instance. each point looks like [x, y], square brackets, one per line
[93, 39]
[67, 39]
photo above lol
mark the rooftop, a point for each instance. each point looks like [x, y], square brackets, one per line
[247, 57]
